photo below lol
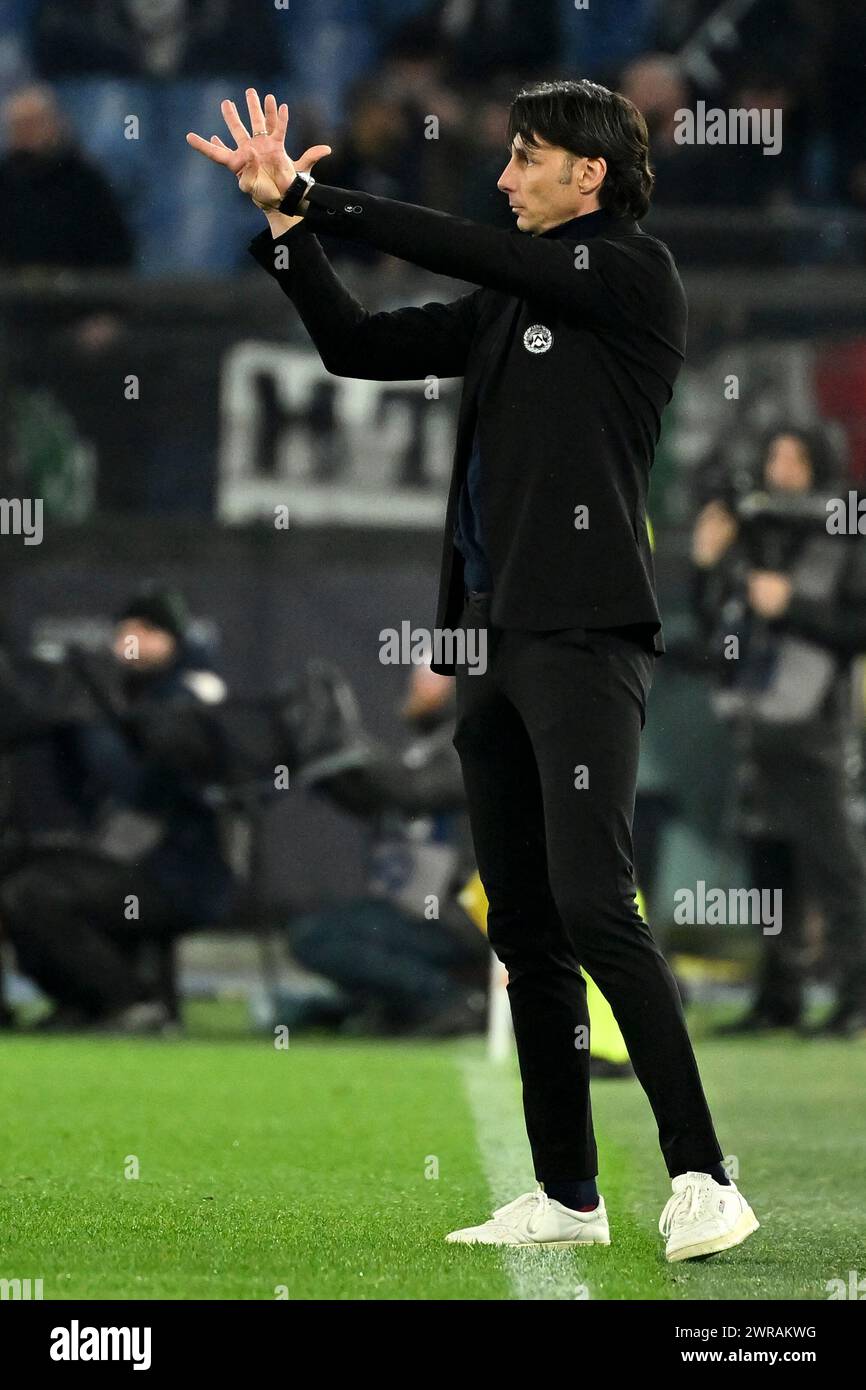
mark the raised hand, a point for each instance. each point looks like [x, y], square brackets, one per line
[259, 161]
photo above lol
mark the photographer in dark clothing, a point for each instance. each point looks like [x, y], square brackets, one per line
[406, 955]
[770, 573]
[151, 755]
[148, 860]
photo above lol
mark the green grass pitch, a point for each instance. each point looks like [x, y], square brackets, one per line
[333, 1169]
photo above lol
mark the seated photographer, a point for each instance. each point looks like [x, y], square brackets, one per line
[770, 574]
[148, 859]
[406, 955]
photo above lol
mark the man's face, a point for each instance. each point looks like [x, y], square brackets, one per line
[542, 183]
[32, 123]
[143, 647]
[787, 468]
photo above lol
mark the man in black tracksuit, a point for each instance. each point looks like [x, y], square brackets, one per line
[569, 352]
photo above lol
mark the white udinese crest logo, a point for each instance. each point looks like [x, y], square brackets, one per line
[538, 338]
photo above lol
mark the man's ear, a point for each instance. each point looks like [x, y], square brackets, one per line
[592, 177]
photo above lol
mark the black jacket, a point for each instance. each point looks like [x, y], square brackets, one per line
[91, 234]
[568, 359]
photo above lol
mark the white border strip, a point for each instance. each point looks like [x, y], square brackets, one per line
[493, 1092]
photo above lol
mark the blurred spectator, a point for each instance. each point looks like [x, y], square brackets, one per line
[845, 90]
[767, 570]
[438, 119]
[60, 214]
[596, 41]
[151, 839]
[746, 176]
[480, 39]
[155, 38]
[685, 174]
[740, 175]
[406, 961]
[487, 155]
[58, 210]
[373, 153]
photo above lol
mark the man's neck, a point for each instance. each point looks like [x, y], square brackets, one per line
[572, 217]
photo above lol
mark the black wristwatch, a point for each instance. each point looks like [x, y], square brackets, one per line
[296, 194]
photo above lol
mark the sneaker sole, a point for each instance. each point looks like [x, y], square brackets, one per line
[529, 1244]
[746, 1226]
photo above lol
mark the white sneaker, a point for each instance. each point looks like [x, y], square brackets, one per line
[704, 1216]
[536, 1219]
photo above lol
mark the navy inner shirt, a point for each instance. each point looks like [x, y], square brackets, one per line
[468, 536]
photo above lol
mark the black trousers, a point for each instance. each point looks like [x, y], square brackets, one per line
[830, 866]
[548, 738]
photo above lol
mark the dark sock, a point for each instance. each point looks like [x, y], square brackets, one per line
[717, 1171]
[581, 1195]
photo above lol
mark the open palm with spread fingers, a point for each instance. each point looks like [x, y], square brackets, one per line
[259, 161]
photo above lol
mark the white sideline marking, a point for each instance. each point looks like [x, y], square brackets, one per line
[493, 1092]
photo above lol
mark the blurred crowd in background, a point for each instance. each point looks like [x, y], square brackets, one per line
[156, 782]
[97, 97]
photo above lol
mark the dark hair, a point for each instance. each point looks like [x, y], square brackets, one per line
[160, 606]
[589, 120]
[826, 462]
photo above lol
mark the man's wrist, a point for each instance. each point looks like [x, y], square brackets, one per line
[280, 223]
[296, 195]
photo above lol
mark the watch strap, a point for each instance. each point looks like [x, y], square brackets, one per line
[296, 194]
